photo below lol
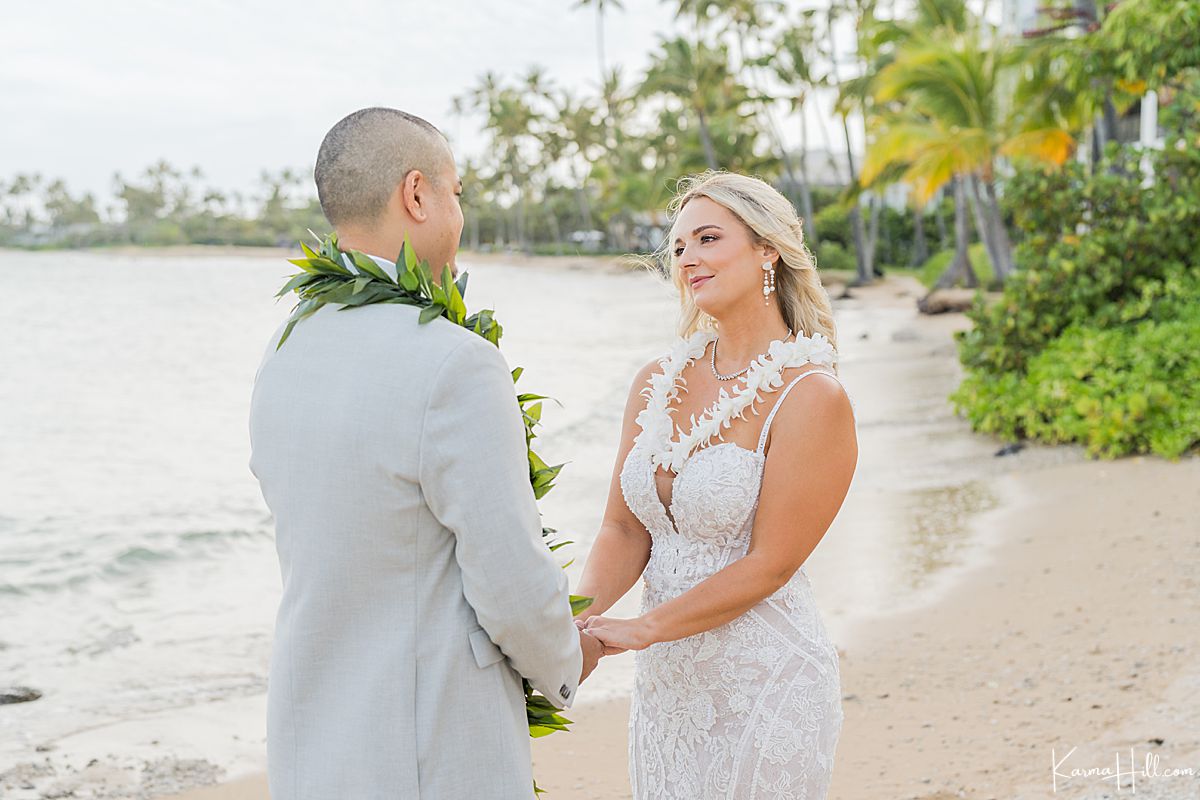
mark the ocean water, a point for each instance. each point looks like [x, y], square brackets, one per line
[137, 570]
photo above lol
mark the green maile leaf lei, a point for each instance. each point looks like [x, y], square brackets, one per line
[352, 279]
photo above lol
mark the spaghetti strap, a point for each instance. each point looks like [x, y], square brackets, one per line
[762, 437]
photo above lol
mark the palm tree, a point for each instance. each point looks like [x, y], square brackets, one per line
[699, 77]
[860, 11]
[510, 120]
[600, 6]
[792, 63]
[953, 126]
[576, 123]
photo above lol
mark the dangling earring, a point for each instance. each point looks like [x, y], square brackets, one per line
[768, 282]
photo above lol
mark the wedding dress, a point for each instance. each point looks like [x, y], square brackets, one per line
[750, 709]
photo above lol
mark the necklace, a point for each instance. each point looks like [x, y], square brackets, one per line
[740, 372]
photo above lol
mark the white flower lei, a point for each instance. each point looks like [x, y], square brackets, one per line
[765, 375]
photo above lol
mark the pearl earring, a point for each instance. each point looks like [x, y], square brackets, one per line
[768, 282]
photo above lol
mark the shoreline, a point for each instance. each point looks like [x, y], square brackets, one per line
[968, 695]
[619, 263]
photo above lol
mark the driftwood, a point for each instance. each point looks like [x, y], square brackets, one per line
[940, 301]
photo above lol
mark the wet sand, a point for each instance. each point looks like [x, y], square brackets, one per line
[1052, 605]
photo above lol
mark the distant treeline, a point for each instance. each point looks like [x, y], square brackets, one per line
[163, 206]
[166, 205]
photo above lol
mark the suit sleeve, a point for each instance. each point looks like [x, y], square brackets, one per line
[474, 474]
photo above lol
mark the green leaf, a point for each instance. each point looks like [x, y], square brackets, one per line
[296, 282]
[409, 281]
[410, 258]
[304, 310]
[329, 247]
[580, 603]
[308, 251]
[430, 313]
[367, 264]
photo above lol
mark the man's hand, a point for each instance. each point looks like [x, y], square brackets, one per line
[592, 650]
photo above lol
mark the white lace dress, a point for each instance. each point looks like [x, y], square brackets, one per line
[750, 709]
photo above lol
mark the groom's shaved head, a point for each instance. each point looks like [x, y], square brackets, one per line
[366, 155]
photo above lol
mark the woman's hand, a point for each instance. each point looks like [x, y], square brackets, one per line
[619, 635]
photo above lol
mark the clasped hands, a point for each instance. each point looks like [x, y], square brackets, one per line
[612, 636]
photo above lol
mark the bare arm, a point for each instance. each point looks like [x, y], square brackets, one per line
[806, 478]
[622, 545]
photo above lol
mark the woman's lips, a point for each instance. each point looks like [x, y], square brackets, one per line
[699, 281]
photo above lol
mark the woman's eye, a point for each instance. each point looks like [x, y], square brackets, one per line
[678, 252]
[708, 237]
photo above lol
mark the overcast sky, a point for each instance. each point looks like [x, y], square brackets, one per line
[91, 88]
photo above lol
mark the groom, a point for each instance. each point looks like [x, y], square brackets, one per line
[417, 590]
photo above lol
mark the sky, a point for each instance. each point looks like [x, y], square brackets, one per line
[91, 88]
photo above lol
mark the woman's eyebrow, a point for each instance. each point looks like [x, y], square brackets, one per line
[701, 228]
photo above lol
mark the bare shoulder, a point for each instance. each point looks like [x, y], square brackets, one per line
[641, 378]
[819, 399]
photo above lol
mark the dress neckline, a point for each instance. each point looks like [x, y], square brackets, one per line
[669, 446]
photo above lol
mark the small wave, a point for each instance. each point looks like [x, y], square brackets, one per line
[71, 568]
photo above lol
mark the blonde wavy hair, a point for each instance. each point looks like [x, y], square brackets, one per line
[771, 220]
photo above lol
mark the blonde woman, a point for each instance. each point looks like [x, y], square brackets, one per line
[737, 450]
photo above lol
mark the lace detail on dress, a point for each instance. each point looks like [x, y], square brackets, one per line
[750, 709]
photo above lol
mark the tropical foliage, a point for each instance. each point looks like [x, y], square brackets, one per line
[1093, 339]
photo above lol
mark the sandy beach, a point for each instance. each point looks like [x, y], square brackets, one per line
[1052, 618]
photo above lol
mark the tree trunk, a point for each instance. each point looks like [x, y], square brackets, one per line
[920, 245]
[710, 155]
[806, 200]
[960, 265]
[608, 120]
[940, 219]
[585, 206]
[555, 231]
[1000, 232]
[864, 273]
[876, 206]
[981, 223]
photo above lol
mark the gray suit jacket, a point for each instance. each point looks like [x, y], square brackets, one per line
[416, 588]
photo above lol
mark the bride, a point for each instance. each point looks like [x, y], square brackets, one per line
[734, 460]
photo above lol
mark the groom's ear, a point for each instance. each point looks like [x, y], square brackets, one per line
[413, 195]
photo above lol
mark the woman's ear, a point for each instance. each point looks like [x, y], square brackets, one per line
[769, 253]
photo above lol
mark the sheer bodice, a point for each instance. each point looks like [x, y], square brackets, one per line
[752, 708]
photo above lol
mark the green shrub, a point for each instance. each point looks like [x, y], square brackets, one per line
[1095, 248]
[833, 226]
[1117, 390]
[931, 270]
[1094, 338]
[833, 256]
